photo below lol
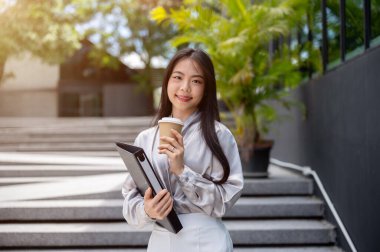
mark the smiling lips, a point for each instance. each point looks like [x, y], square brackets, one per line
[184, 98]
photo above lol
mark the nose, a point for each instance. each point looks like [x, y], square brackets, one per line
[185, 85]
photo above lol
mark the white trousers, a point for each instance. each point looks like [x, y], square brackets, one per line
[200, 233]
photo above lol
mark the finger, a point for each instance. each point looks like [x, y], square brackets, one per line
[148, 194]
[163, 212]
[172, 141]
[167, 205]
[168, 147]
[178, 136]
[167, 211]
[167, 152]
[165, 146]
[166, 139]
[159, 196]
[163, 202]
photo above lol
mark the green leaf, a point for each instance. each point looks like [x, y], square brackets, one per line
[158, 14]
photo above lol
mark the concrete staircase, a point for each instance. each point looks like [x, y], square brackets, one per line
[60, 182]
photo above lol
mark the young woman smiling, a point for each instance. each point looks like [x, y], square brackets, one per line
[200, 166]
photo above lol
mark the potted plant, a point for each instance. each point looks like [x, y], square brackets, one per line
[237, 35]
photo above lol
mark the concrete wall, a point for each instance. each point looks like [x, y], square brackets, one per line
[340, 139]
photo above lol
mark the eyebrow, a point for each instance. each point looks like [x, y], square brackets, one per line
[196, 75]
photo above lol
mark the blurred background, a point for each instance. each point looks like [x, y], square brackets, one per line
[96, 58]
[80, 58]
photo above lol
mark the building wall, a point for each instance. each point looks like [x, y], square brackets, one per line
[34, 92]
[125, 100]
[340, 139]
[38, 103]
[31, 92]
[30, 73]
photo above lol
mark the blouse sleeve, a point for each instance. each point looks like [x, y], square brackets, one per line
[215, 199]
[133, 206]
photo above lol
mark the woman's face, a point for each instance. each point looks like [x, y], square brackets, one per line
[185, 88]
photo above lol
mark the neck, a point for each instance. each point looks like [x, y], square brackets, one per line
[182, 115]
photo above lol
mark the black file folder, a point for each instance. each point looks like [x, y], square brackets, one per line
[145, 176]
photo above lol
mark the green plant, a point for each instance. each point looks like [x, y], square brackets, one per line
[237, 35]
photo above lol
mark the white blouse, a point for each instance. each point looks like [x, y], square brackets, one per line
[192, 191]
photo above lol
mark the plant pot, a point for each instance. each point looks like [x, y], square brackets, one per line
[256, 162]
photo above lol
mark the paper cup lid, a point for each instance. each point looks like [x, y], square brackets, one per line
[171, 120]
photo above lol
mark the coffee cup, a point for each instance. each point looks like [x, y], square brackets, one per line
[166, 124]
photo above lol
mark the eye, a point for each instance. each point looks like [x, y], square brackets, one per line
[197, 81]
[177, 77]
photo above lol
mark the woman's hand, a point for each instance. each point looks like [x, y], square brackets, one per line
[159, 206]
[174, 149]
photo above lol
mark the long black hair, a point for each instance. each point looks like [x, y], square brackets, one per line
[208, 105]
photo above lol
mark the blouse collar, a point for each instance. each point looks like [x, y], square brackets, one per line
[193, 118]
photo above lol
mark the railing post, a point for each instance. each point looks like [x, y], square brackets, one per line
[342, 14]
[367, 23]
[310, 40]
[325, 58]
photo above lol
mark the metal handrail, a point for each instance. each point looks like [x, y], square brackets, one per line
[305, 170]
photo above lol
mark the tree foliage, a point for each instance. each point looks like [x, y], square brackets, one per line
[44, 28]
[124, 27]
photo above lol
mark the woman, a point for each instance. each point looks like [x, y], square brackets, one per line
[200, 167]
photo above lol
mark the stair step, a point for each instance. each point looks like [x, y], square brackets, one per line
[92, 210]
[278, 186]
[253, 187]
[40, 171]
[113, 153]
[236, 249]
[275, 207]
[78, 250]
[30, 159]
[68, 131]
[11, 141]
[290, 249]
[247, 232]
[67, 186]
[109, 185]
[93, 146]
[107, 195]
[32, 122]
